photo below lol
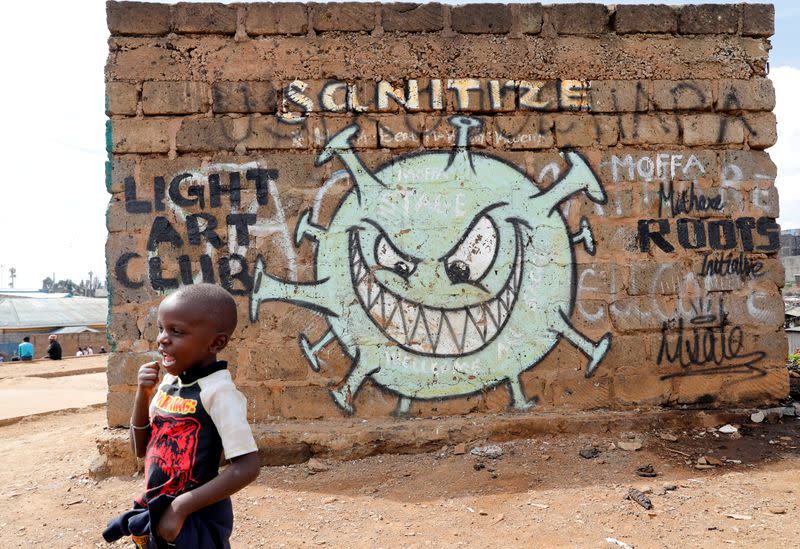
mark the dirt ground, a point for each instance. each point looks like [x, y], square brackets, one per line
[538, 493]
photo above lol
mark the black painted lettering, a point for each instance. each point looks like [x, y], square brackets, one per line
[195, 233]
[160, 190]
[195, 194]
[698, 229]
[121, 270]
[745, 226]
[262, 177]
[240, 223]
[233, 189]
[646, 235]
[157, 281]
[132, 205]
[766, 226]
[722, 234]
[227, 276]
[163, 231]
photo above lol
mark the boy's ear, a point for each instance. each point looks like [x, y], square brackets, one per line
[219, 342]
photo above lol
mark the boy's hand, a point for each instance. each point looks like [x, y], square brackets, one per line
[148, 377]
[170, 524]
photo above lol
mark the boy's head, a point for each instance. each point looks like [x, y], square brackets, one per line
[26, 339]
[194, 324]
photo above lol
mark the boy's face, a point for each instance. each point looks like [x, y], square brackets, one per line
[187, 336]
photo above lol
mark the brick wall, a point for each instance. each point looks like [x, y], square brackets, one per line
[431, 210]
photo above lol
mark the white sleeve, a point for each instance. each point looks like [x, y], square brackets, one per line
[228, 410]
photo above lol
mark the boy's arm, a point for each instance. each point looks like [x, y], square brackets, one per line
[140, 416]
[242, 471]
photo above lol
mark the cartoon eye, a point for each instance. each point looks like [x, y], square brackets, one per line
[387, 256]
[472, 258]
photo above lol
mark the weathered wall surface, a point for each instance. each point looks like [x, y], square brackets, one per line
[437, 210]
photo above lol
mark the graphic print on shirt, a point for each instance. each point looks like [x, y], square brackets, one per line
[172, 455]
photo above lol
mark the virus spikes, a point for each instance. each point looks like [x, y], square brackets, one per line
[578, 178]
[340, 145]
[460, 157]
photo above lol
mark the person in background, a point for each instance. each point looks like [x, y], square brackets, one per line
[80, 352]
[54, 348]
[88, 350]
[25, 349]
[102, 350]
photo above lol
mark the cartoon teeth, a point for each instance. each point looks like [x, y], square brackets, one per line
[442, 273]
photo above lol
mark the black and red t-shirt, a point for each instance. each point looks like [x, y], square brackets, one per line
[195, 418]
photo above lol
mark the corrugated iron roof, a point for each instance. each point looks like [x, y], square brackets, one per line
[74, 330]
[20, 312]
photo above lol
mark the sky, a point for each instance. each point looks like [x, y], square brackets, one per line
[53, 196]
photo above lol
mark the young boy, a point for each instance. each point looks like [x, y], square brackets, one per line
[182, 428]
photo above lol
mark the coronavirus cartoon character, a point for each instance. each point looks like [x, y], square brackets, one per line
[442, 273]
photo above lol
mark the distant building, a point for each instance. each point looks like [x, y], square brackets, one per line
[78, 321]
[790, 255]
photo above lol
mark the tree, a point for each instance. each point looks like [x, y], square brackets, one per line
[47, 285]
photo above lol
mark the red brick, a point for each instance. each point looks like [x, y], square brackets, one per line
[651, 18]
[276, 18]
[132, 135]
[268, 132]
[404, 17]
[401, 132]
[481, 18]
[204, 18]
[344, 16]
[137, 18]
[243, 97]
[756, 94]
[708, 19]
[580, 18]
[648, 129]
[121, 98]
[174, 97]
[695, 95]
[758, 19]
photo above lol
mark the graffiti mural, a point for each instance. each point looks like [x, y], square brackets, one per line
[436, 270]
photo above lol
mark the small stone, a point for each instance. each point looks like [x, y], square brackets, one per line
[491, 451]
[668, 437]
[670, 486]
[728, 429]
[460, 449]
[316, 466]
[702, 467]
[482, 513]
[629, 446]
[739, 517]
[646, 489]
[545, 457]
[711, 460]
[589, 453]
[777, 510]
[757, 417]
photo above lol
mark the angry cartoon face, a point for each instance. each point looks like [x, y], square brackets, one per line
[436, 270]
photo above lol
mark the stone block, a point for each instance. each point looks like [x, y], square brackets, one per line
[276, 18]
[527, 18]
[440, 133]
[401, 132]
[757, 94]
[204, 18]
[243, 97]
[344, 16]
[268, 132]
[584, 130]
[121, 98]
[648, 129]
[709, 19]
[523, 131]
[174, 97]
[579, 18]
[618, 96]
[750, 166]
[136, 135]
[212, 134]
[146, 61]
[655, 18]
[406, 17]
[119, 404]
[322, 128]
[481, 18]
[711, 129]
[684, 95]
[306, 402]
[655, 278]
[762, 129]
[147, 18]
[758, 19]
